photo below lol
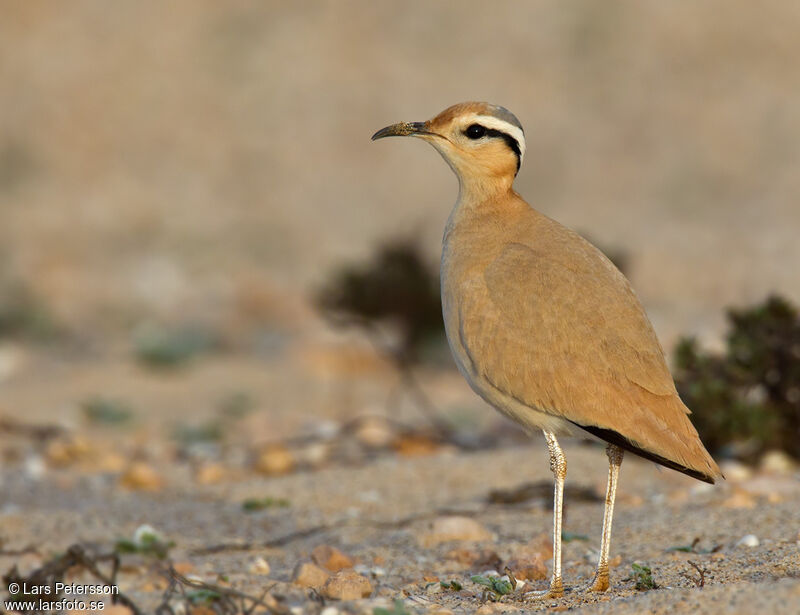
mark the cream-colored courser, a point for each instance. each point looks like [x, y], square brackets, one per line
[542, 325]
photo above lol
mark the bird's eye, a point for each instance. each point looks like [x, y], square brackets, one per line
[475, 131]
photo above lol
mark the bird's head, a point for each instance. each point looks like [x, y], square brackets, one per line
[484, 144]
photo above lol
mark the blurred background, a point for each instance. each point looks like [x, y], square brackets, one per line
[195, 225]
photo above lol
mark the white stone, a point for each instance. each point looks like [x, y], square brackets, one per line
[750, 540]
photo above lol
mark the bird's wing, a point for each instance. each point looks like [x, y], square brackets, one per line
[566, 335]
[582, 313]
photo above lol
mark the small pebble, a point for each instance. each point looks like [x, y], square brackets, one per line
[415, 445]
[141, 477]
[275, 459]
[750, 540]
[67, 450]
[375, 432]
[35, 467]
[347, 585]
[528, 568]
[210, 474]
[111, 462]
[259, 566]
[777, 462]
[740, 499]
[735, 471]
[308, 574]
[331, 558]
[315, 454]
[446, 529]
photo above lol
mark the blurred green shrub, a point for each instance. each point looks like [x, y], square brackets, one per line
[106, 411]
[747, 400]
[158, 347]
[398, 286]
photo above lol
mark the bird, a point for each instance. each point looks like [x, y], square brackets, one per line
[541, 323]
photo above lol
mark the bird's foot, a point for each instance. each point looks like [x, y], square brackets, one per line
[600, 581]
[599, 584]
[556, 590]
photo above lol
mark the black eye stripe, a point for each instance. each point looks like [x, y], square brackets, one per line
[493, 133]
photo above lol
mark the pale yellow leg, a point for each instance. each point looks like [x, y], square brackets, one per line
[558, 464]
[615, 454]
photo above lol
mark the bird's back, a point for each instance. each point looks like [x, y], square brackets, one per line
[546, 329]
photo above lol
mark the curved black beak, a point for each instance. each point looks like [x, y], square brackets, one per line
[403, 129]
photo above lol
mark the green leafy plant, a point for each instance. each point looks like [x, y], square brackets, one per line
[747, 400]
[161, 347]
[692, 548]
[255, 504]
[203, 596]
[496, 585]
[145, 541]
[643, 577]
[107, 411]
[451, 585]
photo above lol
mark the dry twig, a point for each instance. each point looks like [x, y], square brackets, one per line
[702, 572]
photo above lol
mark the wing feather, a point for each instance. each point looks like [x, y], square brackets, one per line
[578, 345]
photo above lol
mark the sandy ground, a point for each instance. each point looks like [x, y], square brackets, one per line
[379, 507]
[380, 512]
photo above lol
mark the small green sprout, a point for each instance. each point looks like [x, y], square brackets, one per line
[451, 585]
[203, 596]
[496, 585]
[255, 504]
[158, 347]
[145, 541]
[681, 549]
[692, 548]
[106, 411]
[643, 577]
